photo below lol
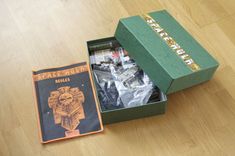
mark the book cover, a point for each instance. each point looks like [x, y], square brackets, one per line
[66, 102]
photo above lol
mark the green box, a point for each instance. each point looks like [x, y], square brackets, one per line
[124, 114]
[167, 53]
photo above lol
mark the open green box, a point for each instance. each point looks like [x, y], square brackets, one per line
[166, 52]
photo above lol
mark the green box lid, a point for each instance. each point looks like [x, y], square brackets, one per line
[170, 56]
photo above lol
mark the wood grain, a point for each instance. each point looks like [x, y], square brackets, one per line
[41, 34]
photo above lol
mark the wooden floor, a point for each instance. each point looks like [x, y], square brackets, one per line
[47, 33]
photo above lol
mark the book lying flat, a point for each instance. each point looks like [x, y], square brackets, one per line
[66, 102]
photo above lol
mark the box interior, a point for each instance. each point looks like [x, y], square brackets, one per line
[111, 44]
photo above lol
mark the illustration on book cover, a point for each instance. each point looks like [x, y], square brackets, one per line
[66, 104]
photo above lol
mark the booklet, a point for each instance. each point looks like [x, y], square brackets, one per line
[66, 102]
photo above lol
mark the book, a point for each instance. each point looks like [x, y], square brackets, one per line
[66, 102]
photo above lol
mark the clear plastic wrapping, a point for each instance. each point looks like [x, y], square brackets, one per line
[107, 91]
[119, 81]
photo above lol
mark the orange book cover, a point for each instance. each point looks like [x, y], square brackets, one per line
[66, 102]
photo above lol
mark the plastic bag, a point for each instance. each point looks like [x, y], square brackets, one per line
[120, 82]
[133, 86]
[107, 91]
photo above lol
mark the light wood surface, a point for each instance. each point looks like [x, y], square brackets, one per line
[47, 33]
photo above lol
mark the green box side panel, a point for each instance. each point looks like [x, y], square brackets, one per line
[185, 40]
[134, 112]
[156, 47]
[143, 58]
[191, 80]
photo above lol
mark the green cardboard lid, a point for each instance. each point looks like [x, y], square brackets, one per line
[170, 56]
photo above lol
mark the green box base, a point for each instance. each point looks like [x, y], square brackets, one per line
[124, 114]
